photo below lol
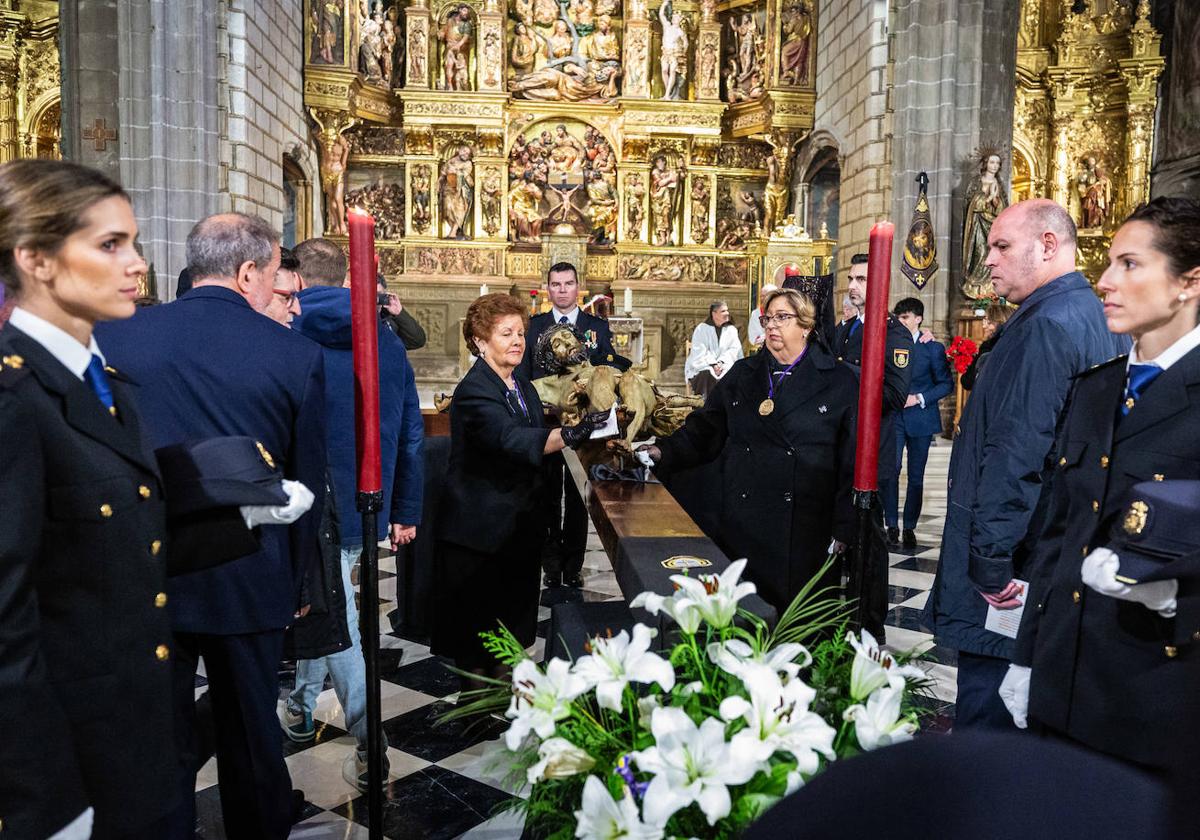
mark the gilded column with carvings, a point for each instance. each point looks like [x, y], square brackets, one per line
[10, 43]
[1140, 72]
[417, 19]
[491, 48]
[708, 53]
[636, 83]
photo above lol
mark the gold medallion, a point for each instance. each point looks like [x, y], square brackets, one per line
[766, 406]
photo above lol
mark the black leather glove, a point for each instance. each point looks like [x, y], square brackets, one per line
[575, 436]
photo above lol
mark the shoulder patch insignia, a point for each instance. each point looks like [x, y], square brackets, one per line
[900, 358]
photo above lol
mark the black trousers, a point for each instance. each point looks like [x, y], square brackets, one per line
[243, 688]
[873, 565]
[566, 538]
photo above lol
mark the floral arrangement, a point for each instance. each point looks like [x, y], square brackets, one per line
[961, 353]
[702, 739]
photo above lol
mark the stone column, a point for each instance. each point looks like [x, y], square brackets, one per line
[9, 141]
[417, 50]
[954, 78]
[91, 55]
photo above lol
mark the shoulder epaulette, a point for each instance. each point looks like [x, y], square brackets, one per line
[1102, 365]
[12, 370]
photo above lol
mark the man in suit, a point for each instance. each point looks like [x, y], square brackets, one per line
[916, 424]
[562, 559]
[897, 372]
[209, 365]
[1004, 451]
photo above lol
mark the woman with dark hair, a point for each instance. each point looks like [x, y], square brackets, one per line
[1116, 664]
[86, 736]
[993, 319]
[782, 423]
[490, 525]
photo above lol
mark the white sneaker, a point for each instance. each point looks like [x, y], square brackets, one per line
[354, 770]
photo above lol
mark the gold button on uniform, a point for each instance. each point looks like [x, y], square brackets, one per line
[1085, 551]
[162, 652]
[143, 491]
[1104, 462]
[106, 510]
[1062, 462]
[1129, 403]
[1159, 476]
[1095, 506]
[1171, 651]
[1075, 596]
[160, 600]
[155, 547]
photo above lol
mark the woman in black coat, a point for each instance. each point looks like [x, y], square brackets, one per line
[490, 525]
[86, 736]
[783, 424]
[1115, 673]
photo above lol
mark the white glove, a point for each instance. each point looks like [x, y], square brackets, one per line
[300, 499]
[79, 828]
[1014, 691]
[1099, 572]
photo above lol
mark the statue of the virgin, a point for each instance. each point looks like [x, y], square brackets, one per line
[985, 200]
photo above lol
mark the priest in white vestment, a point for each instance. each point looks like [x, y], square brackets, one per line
[715, 347]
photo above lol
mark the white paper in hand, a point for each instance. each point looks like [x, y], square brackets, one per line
[1007, 622]
[609, 427]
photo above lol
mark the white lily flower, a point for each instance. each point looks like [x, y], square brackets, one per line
[694, 687]
[732, 655]
[646, 706]
[540, 699]
[616, 662]
[558, 758]
[878, 723]
[716, 596]
[690, 764]
[872, 667]
[779, 718]
[603, 818]
[681, 610]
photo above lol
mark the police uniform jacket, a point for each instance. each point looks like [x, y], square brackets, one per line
[1112, 674]
[785, 477]
[931, 379]
[85, 676]
[1004, 453]
[597, 337]
[897, 374]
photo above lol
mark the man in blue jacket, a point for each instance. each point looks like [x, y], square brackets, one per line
[325, 318]
[916, 424]
[1004, 451]
[210, 365]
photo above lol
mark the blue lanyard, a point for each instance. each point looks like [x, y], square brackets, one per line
[520, 399]
[781, 373]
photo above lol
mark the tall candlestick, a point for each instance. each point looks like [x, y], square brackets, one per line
[365, 338]
[870, 391]
[628, 300]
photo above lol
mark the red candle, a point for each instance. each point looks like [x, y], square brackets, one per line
[365, 336]
[870, 391]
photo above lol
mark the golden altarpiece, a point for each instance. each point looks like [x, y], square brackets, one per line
[1083, 126]
[653, 143]
[30, 81]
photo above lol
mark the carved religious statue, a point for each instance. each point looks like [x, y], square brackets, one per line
[602, 209]
[327, 32]
[527, 45]
[797, 38]
[370, 45]
[664, 200]
[420, 198]
[416, 55]
[1095, 194]
[335, 152]
[985, 199]
[673, 61]
[456, 193]
[635, 194]
[525, 209]
[602, 49]
[744, 72]
[776, 194]
[457, 37]
[491, 200]
[700, 200]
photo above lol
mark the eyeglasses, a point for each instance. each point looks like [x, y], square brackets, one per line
[780, 318]
[286, 294]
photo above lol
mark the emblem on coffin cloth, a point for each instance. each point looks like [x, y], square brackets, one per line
[685, 561]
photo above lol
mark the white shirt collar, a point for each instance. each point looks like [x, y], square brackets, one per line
[61, 345]
[1172, 354]
[572, 316]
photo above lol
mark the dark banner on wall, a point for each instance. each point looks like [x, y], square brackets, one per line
[919, 259]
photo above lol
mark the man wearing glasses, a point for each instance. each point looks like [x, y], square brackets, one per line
[897, 373]
[284, 305]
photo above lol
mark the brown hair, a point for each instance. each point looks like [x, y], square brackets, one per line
[321, 262]
[798, 302]
[998, 312]
[42, 202]
[483, 314]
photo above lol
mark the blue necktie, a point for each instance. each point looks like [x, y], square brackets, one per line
[1140, 377]
[564, 320]
[855, 326]
[97, 379]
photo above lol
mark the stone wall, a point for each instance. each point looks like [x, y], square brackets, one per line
[852, 105]
[262, 103]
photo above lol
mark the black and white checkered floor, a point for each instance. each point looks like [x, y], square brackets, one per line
[443, 781]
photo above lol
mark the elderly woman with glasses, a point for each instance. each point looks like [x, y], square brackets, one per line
[782, 423]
